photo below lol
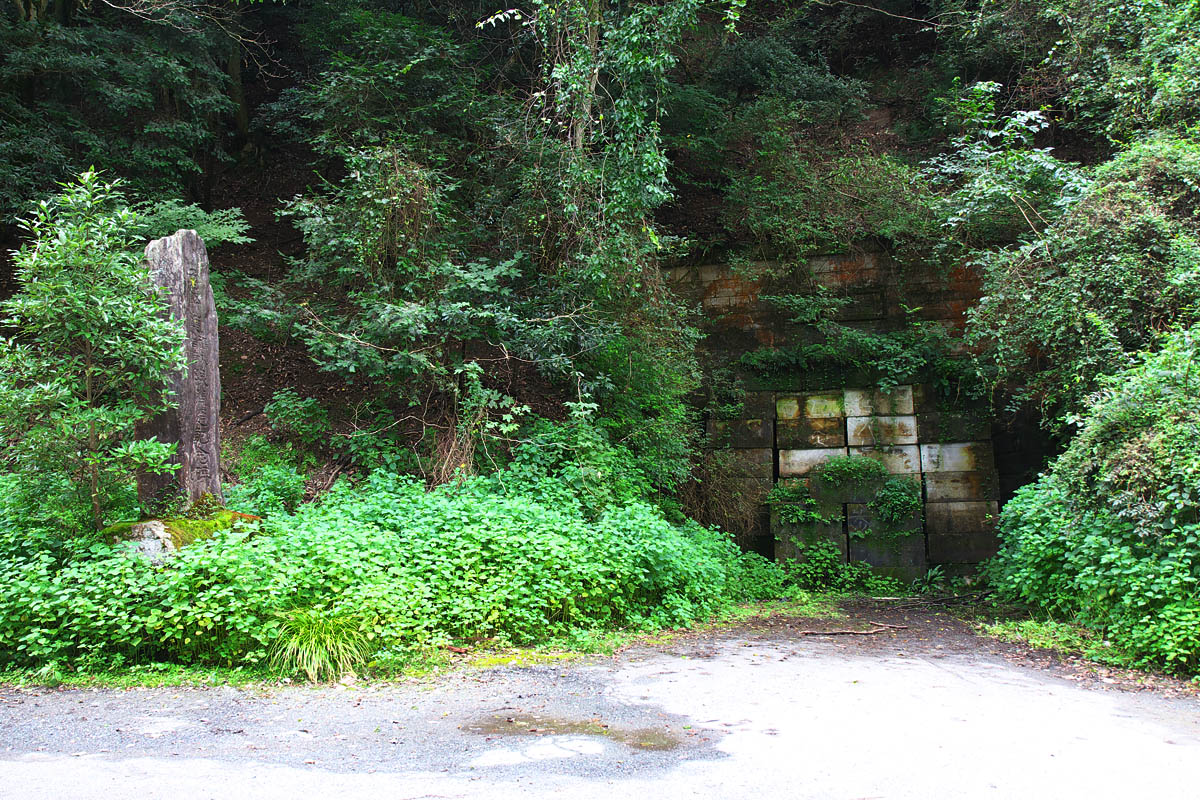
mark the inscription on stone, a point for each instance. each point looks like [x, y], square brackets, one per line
[178, 266]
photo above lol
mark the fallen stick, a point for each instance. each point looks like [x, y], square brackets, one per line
[888, 625]
[840, 633]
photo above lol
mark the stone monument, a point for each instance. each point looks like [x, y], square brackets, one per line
[178, 267]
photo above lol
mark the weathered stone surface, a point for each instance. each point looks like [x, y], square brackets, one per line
[972, 547]
[796, 434]
[961, 531]
[814, 405]
[957, 457]
[925, 399]
[961, 516]
[867, 402]
[760, 405]
[847, 271]
[935, 427]
[818, 405]
[901, 459]
[865, 431]
[901, 557]
[152, 539]
[178, 265]
[748, 433]
[944, 486]
[797, 463]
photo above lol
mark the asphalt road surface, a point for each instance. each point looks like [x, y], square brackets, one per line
[765, 710]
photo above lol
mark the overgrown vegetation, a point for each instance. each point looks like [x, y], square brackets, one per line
[373, 574]
[1110, 535]
[483, 201]
[90, 356]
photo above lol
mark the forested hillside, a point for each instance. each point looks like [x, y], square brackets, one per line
[460, 400]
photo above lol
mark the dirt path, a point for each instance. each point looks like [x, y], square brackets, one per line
[922, 711]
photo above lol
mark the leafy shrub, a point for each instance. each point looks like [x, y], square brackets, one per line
[997, 186]
[269, 481]
[96, 85]
[91, 350]
[521, 555]
[897, 502]
[846, 472]
[1080, 299]
[821, 569]
[302, 417]
[164, 217]
[1111, 533]
[795, 505]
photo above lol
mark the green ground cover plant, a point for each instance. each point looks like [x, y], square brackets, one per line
[375, 573]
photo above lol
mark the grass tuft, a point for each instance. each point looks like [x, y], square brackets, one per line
[321, 644]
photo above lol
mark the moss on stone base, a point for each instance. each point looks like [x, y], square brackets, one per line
[183, 531]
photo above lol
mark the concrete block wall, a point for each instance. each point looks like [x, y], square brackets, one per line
[789, 426]
[957, 478]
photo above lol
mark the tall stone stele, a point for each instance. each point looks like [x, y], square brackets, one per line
[178, 266]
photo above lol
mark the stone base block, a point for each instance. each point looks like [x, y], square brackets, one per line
[957, 457]
[869, 431]
[901, 459]
[871, 402]
[901, 556]
[948, 486]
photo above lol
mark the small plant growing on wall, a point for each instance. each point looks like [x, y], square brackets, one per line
[850, 472]
[795, 505]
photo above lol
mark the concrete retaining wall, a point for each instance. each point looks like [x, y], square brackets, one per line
[789, 425]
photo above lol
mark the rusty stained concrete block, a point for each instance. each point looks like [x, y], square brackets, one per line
[944, 486]
[677, 276]
[957, 457]
[796, 463]
[869, 402]
[863, 431]
[961, 516]
[813, 405]
[800, 434]
[845, 271]
[759, 405]
[742, 433]
[904, 459]
[972, 547]
[925, 399]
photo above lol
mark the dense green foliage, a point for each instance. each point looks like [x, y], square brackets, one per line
[530, 552]
[90, 356]
[477, 206]
[1111, 533]
[98, 86]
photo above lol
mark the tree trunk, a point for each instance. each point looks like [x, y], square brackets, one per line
[237, 92]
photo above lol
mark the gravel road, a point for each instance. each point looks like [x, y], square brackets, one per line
[924, 711]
